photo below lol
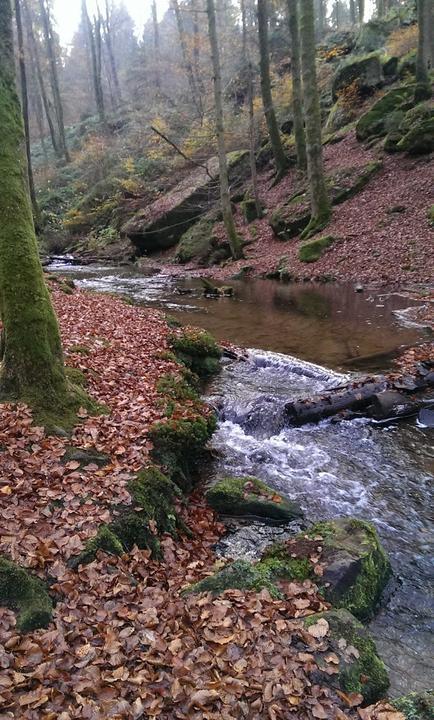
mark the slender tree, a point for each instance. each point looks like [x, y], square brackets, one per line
[196, 96]
[267, 98]
[297, 94]
[32, 367]
[107, 26]
[320, 203]
[36, 62]
[228, 218]
[423, 85]
[361, 7]
[353, 16]
[247, 62]
[157, 52]
[51, 54]
[94, 40]
[25, 109]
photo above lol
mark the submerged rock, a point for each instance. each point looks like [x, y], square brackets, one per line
[163, 222]
[249, 496]
[358, 669]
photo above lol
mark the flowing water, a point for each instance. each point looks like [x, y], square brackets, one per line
[383, 474]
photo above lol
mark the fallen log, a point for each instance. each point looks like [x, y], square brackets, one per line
[379, 399]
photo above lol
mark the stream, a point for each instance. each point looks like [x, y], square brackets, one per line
[302, 335]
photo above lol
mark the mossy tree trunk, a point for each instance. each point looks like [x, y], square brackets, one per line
[423, 49]
[51, 54]
[234, 240]
[32, 367]
[267, 98]
[25, 109]
[320, 203]
[297, 94]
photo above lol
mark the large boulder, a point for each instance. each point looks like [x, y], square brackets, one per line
[162, 224]
[347, 660]
[246, 496]
[373, 123]
[367, 70]
[356, 568]
[291, 218]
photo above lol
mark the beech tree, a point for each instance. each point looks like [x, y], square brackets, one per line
[32, 368]
[267, 98]
[297, 94]
[423, 86]
[228, 218]
[320, 203]
[94, 39]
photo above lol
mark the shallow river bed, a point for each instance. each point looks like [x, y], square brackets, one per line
[349, 468]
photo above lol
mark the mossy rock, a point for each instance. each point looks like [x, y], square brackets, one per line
[339, 117]
[420, 139]
[312, 250]
[373, 122]
[365, 69]
[250, 211]
[197, 243]
[243, 575]
[416, 706]
[179, 446]
[247, 496]
[361, 671]
[431, 214]
[407, 64]
[374, 33]
[197, 350]
[25, 594]
[151, 514]
[85, 456]
[357, 568]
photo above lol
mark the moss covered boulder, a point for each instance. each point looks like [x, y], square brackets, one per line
[246, 496]
[416, 706]
[197, 350]
[162, 223]
[357, 568]
[313, 249]
[420, 139]
[25, 594]
[366, 70]
[196, 244]
[373, 122]
[351, 653]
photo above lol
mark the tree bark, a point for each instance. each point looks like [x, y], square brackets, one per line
[423, 43]
[37, 62]
[58, 107]
[25, 110]
[156, 45]
[320, 202]
[297, 94]
[250, 101]
[361, 11]
[94, 37]
[267, 99]
[234, 240]
[353, 17]
[32, 367]
[186, 59]
[111, 55]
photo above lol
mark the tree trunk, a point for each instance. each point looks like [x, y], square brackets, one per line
[156, 45]
[297, 95]
[353, 17]
[361, 11]
[32, 367]
[337, 14]
[320, 203]
[25, 109]
[380, 8]
[94, 37]
[234, 240]
[37, 63]
[267, 99]
[250, 101]
[422, 47]
[321, 18]
[58, 107]
[111, 55]
[186, 59]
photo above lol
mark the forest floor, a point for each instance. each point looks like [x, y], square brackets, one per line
[124, 643]
[382, 234]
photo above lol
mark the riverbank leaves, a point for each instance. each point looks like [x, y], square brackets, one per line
[124, 641]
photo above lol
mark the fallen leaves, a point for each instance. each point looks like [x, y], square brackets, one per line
[319, 629]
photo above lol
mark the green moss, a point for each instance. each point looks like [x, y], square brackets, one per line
[250, 210]
[420, 139]
[407, 64]
[172, 321]
[373, 122]
[198, 350]
[79, 349]
[152, 513]
[416, 706]
[179, 446]
[361, 672]
[176, 388]
[313, 249]
[431, 214]
[365, 69]
[25, 594]
[249, 496]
